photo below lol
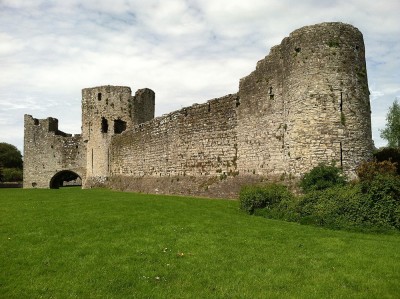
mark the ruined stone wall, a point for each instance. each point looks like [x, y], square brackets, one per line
[261, 119]
[309, 100]
[195, 141]
[108, 111]
[48, 151]
[143, 106]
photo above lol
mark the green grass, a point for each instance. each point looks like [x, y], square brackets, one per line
[73, 243]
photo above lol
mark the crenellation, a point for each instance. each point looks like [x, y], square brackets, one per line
[305, 103]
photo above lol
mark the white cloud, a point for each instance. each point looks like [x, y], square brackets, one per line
[187, 51]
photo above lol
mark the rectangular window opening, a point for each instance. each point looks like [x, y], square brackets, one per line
[119, 126]
[104, 125]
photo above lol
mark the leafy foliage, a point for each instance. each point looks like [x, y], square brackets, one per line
[389, 154]
[382, 196]
[373, 203]
[322, 177]
[261, 197]
[367, 171]
[391, 132]
[10, 156]
[12, 175]
[354, 206]
[1, 173]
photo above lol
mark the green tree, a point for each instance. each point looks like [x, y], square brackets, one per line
[391, 132]
[1, 173]
[10, 156]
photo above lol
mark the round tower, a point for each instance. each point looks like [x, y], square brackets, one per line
[327, 107]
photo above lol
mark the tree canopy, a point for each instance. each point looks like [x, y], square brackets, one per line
[10, 156]
[391, 132]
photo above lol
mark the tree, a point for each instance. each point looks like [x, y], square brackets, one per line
[391, 132]
[1, 173]
[10, 156]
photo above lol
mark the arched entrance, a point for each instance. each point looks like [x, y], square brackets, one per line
[65, 178]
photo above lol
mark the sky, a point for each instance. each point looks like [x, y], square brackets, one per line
[187, 51]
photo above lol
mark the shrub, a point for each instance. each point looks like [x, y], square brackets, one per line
[337, 207]
[389, 154]
[1, 173]
[369, 204]
[383, 196]
[373, 203]
[12, 175]
[252, 198]
[322, 177]
[367, 171]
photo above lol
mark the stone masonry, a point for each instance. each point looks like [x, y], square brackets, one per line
[307, 102]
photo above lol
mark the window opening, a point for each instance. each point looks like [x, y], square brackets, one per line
[237, 102]
[341, 155]
[341, 102]
[99, 96]
[119, 126]
[104, 125]
[271, 93]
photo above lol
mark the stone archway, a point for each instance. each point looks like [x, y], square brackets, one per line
[64, 178]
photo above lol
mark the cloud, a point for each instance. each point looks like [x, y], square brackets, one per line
[187, 51]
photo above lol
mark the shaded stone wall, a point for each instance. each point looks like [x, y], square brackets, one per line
[194, 141]
[261, 119]
[48, 151]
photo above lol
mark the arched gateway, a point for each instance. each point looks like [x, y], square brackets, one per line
[65, 178]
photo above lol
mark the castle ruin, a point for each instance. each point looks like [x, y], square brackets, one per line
[307, 102]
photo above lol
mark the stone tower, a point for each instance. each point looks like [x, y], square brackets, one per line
[107, 111]
[311, 95]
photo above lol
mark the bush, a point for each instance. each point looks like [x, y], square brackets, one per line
[12, 175]
[389, 154]
[373, 203]
[367, 171]
[252, 198]
[369, 204]
[383, 194]
[322, 177]
[337, 207]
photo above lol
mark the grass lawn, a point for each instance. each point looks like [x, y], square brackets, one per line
[73, 243]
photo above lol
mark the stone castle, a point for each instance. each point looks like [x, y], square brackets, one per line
[307, 102]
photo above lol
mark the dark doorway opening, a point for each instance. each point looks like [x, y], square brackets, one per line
[65, 178]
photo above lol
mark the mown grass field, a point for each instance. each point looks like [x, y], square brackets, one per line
[73, 243]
